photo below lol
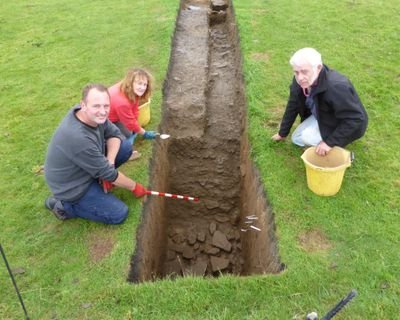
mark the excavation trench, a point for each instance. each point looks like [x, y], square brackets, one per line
[231, 229]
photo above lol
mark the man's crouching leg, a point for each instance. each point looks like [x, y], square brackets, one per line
[98, 206]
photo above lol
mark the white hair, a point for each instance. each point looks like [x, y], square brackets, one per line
[306, 55]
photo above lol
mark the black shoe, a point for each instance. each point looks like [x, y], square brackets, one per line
[51, 204]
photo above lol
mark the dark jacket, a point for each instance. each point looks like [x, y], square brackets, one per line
[341, 116]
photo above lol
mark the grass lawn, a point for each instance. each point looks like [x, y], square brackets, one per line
[50, 49]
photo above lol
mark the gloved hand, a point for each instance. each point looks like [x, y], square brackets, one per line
[149, 135]
[107, 185]
[139, 190]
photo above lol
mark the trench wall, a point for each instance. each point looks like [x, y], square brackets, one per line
[204, 111]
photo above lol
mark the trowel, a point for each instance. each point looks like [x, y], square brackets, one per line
[163, 135]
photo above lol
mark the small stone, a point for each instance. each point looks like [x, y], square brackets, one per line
[219, 240]
[86, 305]
[176, 247]
[192, 237]
[221, 65]
[201, 236]
[213, 227]
[221, 218]
[211, 204]
[219, 264]
[196, 246]
[226, 207]
[213, 251]
[178, 238]
[198, 268]
[188, 253]
[224, 53]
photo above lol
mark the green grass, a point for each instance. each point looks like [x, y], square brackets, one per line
[50, 49]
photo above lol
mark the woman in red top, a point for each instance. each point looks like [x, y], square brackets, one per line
[124, 97]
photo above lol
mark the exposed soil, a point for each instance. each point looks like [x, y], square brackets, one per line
[260, 56]
[231, 229]
[314, 240]
[100, 246]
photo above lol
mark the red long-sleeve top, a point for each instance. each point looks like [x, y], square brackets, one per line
[123, 110]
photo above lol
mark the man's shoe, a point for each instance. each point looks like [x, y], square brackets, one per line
[51, 204]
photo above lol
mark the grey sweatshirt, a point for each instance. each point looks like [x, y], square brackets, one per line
[76, 157]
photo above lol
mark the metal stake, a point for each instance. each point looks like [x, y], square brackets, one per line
[13, 281]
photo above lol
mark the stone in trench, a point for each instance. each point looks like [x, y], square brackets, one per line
[221, 218]
[176, 247]
[226, 207]
[178, 238]
[211, 204]
[219, 240]
[220, 65]
[198, 268]
[230, 234]
[171, 232]
[172, 268]
[212, 251]
[201, 236]
[219, 264]
[225, 228]
[188, 253]
[213, 227]
[196, 246]
[192, 237]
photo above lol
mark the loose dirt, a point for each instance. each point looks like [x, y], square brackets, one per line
[231, 229]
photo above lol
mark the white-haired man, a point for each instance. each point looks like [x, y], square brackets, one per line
[330, 110]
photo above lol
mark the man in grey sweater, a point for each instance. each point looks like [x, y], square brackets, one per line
[82, 161]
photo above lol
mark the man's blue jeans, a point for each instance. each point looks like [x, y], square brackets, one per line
[98, 206]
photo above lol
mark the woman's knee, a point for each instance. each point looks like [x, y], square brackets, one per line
[125, 151]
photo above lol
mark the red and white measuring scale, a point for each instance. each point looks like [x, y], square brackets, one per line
[170, 195]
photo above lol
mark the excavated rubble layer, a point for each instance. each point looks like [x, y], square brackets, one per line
[231, 229]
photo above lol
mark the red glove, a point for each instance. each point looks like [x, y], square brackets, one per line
[139, 190]
[107, 185]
